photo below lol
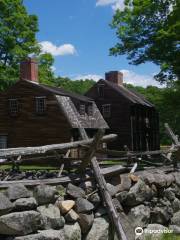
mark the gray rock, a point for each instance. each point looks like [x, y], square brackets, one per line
[161, 215]
[17, 191]
[148, 178]
[61, 191]
[160, 179]
[74, 191]
[23, 204]
[72, 231]
[139, 193]
[87, 186]
[175, 229]
[176, 205]
[177, 178]
[101, 211]
[44, 235]
[20, 223]
[169, 179]
[85, 221]
[156, 235]
[5, 205]
[45, 194]
[99, 230]
[139, 216]
[95, 199]
[112, 189]
[71, 216]
[169, 194]
[82, 205]
[122, 196]
[51, 217]
[176, 219]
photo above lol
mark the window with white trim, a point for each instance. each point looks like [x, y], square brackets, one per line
[3, 141]
[40, 105]
[13, 106]
[106, 110]
[82, 109]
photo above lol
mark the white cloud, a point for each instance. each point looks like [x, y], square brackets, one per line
[94, 77]
[139, 79]
[65, 49]
[53, 68]
[115, 4]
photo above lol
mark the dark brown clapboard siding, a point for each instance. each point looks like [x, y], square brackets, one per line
[132, 134]
[29, 129]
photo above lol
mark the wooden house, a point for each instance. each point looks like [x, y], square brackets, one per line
[127, 113]
[33, 114]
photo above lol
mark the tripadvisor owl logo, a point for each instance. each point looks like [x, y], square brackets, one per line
[138, 231]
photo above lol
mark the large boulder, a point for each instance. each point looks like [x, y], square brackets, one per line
[23, 204]
[169, 194]
[139, 216]
[72, 231]
[161, 215]
[176, 205]
[5, 205]
[75, 192]
[139, 193]
[51, 217]
[45, 194]
[85, 220]
[17, 191]
[82, 205]
[125, 183]
[95, 199]
[20, 223]
[177, 178]
[99, 230]
[44, 235]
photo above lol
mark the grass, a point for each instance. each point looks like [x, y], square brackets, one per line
[29, 168]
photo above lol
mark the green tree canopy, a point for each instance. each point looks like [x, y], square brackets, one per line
[149, 30]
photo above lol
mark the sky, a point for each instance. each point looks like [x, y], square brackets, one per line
[78, 35]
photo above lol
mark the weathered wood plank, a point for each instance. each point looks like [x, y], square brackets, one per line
[47, 148]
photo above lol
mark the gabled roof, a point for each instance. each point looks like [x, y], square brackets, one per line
[131, 95]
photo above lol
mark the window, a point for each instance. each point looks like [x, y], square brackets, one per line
[82, 109]
[40, 105]
[101, 90]
[13, 106]
[90, 110]
[3, 141]
[106, 109]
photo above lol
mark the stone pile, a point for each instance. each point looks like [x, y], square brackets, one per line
[149, 200]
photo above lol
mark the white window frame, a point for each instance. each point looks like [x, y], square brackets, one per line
[13, 106]
[106, 110]
[40, 105]
[3, 141]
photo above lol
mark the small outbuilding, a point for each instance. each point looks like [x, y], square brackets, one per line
[128, 114]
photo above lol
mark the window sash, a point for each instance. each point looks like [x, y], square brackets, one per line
[40, 105]
[101, 90]
[13, 106]
[82, 109]
[106, 109]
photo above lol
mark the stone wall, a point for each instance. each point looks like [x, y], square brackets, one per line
[150, 200]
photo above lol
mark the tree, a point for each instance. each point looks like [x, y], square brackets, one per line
[149, 30]
[17, 32]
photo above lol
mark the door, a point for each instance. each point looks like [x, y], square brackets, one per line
[3, 141]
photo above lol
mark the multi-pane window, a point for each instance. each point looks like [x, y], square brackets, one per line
[90, 110]
[101, 90]
[3, 141]
[13, 106]
[82, 109]
[40, 105]
[106, 110]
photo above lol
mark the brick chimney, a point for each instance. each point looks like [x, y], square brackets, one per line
[114, 77]
[29, 70]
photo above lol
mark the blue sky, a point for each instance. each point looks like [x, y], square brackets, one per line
[77, 33]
